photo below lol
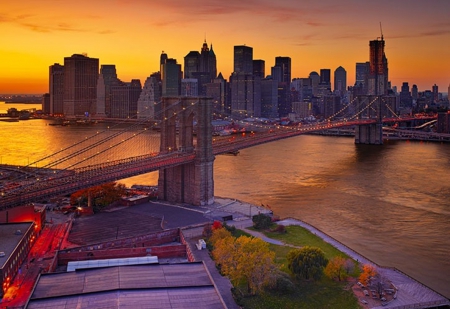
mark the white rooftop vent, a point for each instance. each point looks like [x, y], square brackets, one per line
[18, 232]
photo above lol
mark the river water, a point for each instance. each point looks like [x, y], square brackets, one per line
[390, 203]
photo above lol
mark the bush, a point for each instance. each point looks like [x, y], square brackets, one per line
[229, 228]
[261, 221]
[282, 283]
[281, 229]
[207, 231]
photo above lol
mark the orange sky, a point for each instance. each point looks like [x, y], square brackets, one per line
[132, 33]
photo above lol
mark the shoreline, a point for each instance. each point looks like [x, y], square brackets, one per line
[411, 292]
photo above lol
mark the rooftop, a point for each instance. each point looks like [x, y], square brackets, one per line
[10, 238]
[156, 286]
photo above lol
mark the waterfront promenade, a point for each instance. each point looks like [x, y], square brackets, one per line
[191, 219]
[410, 292]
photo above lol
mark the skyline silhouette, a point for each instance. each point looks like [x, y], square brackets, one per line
[132, 34]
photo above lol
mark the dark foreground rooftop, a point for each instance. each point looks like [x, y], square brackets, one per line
[186, 285]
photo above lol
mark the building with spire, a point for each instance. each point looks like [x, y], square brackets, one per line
[201, 66]
[378, 68]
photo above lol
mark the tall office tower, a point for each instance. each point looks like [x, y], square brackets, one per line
[56, 91]
[46, 103]
[315, 80]
[80, 86]
[415, 92]
[124, 98]
[107, 78]
[259, 68]
[324, 87]
[378, 68]
[162, 59]
[405, 96]
[149, 98]
[269, 98]
[361, 78]
[325, 77]
[245, 95]
[202, 66]
[277, 74]
[435, 90]
[171, 78]
[191, 64]
[285, 64]
[304, 88]
[243, 59]
[340, 81]
[331, 105]
[208, 61]
[217, 90]
[189, 87]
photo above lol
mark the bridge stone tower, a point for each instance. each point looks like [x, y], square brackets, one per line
[370, 133]
[191, 183]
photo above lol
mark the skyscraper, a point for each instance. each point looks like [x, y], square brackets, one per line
[285, 64]
[378, 68]
[124, 98]
[435, 90]
[315, 80]
[340, 81]
[325, 77]
[191, 64]
[80, 86]
[56, 91]
[259, 68]
[201, 66]
[107, 79]
[243, 59]
[171, 78]
[405, 96]
[150, 96]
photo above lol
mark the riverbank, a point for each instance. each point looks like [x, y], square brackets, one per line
[410, 292]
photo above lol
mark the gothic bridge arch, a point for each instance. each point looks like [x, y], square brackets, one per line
[191, 183]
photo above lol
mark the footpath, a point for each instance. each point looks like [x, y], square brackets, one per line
[411, 293]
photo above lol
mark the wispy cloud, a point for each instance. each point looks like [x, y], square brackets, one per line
[31, 22]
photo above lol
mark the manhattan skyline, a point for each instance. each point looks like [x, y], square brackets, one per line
[132, 34]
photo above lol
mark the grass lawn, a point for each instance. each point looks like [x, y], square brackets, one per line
[308, 295]
[324, 293]
[299, 236]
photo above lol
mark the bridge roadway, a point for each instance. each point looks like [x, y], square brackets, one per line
[69, 181]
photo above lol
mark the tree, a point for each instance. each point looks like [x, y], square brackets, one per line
[245, 260]
[307, 262]
[13, 112]
[261, 221]
[368, 272]
[102, 195]
[336, 268]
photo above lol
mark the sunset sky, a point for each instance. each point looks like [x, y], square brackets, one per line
[132, 34]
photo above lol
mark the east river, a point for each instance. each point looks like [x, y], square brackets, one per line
[390, 203]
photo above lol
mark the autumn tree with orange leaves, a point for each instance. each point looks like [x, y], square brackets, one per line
[102, 195]
[245, 260]
[368, 272]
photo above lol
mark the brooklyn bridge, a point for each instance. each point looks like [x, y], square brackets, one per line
[187, 149]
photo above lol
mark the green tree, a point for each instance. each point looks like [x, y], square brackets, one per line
[261, 221]
[307, 262]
